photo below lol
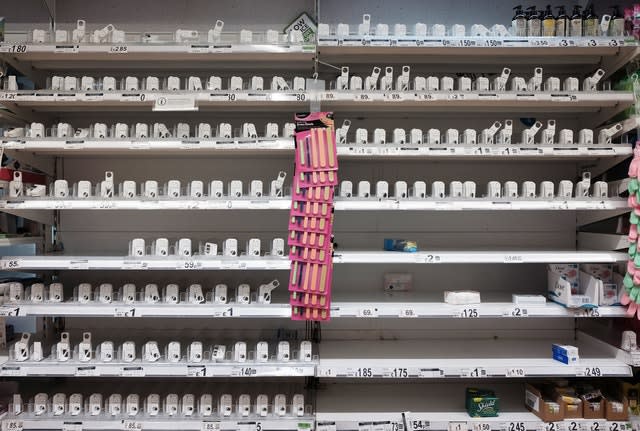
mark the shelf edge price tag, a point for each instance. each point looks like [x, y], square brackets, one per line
[196, 371]
[12, 425]
[176, 102]
[516, 372]
[119, 49]
[369, 312]
[130, 425]
[513, 258]
[124, 312]
[473, 372]
[190, 264]
[210, 426]
[481, 426]
[72, 426]
[408, 313]
[458, 426]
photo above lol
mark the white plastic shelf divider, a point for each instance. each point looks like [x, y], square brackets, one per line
[341, 204]
[140, 368]
[284, 146]
[159, 423]
[365, 310]
[282, 263]
[462, 358]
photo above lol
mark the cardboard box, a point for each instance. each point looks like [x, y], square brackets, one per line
[593, 410]
[548, 411]
[613, 414]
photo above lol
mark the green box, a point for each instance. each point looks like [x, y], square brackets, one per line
[482, 403]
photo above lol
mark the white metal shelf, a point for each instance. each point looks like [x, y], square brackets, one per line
[566, 102]
[284, 146]
[140, 368]
[451, 45]
[339, 309]
[341, 204]
[160, 423]
[82, 55]
[61, 262]
[458, 421]
[463, 358]
[437, 406]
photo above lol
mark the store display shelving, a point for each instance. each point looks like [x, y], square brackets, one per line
[375, 337]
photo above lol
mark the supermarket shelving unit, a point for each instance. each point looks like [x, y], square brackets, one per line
[376, 337]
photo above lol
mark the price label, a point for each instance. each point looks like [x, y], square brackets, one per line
[124, 312]
[473, 372]
[397, 373]
[196, 371]
[8, 96]
[513, 258]
[15, 49]
[119, 49]
[408, 313]
[129, 425]
[9, 311]
[168, 103]
[72, 426]
[481, 426]
[86, 371]
[12, 425]
[368, 312]
[515, 426]
[394, 97]
[10, 264]
[455, 96]
[594, 426]
[190, 264]
[617, 426]
[517, 312]
[363, 97]
[419, 425]
[432, 258]
[244, 372]
[468, 313]
[210, 426]
[364, 372]
[132, 372]
[66, 49]
[592, 372]
[133, 265]
[516, 372]
[458, 426]
[587, 312]
[326, 426]
[12, 371]
[493, 43]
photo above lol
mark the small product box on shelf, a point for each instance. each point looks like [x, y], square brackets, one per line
[545, 407]
[565, 354]
[482, 403]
